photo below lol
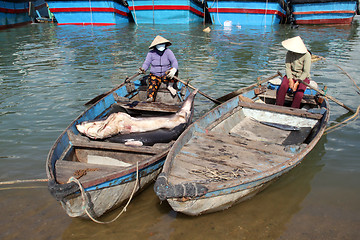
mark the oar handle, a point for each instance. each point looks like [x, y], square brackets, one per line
[98, 97]
[189, 85]
[326, 95]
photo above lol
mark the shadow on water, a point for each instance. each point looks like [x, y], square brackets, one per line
[265, 216]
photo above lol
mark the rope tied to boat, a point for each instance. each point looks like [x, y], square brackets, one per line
[86, 202]
[343, 123]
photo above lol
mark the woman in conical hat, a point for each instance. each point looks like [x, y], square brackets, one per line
[297, 67]
[163, 66]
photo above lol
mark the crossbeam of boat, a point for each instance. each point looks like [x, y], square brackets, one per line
[84, 142]
[281, 109]
[271, 94]
[144, 106]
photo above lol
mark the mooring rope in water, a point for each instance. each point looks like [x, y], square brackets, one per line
[22, 181]
[86, 200]
[343, 123]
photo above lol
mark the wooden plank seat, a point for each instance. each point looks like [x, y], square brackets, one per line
[144, 106]
[85, 142]
[82, 171]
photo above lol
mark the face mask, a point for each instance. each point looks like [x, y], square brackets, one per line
[160, 47]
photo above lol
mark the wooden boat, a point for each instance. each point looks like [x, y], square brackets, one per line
[90, 177]
[13, 14]
[246, 12]
[237, 149]
[167, 12]
[90, 12]
[20, 12]
[323, 11]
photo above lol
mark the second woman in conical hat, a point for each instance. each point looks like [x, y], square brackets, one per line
[297, 67]
[163, 66]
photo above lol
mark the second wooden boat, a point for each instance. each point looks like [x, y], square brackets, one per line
[237, 149]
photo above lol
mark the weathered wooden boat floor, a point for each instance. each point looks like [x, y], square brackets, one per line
[249, 148]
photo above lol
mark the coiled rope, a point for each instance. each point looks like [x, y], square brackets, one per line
[85, 199]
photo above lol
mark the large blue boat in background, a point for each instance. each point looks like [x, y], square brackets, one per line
[167, 12]
[323, 11]
[14, 14]
[247, 12]
[21, 12]
[89, 12]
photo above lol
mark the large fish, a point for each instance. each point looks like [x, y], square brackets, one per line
[123, 123]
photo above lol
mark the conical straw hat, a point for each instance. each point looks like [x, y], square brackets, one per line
[295, 44]
[159, 40]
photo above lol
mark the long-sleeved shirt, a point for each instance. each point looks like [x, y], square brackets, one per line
[298, 65]
[160, 63]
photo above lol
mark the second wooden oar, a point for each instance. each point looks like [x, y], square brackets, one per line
[328, 96]
[95, 99]
[188, 84]
[245, 89]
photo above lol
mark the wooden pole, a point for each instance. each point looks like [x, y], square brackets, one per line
[188, 84]
[245, 89]
[98, 97]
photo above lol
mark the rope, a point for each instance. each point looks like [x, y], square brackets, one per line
[31, 187]
[349, 77]
[134, 13]
[23, 181]
[266, 8]
[91, 20]
[316, 58]
[217, 11]
[85, 198]
[337, 126]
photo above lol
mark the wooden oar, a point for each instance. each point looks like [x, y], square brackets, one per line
[188, 84]
[326, 95]
[95, 99]
[245, 89]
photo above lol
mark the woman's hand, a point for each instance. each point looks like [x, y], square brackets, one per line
[171, 73]
[291, 83]
[294, 88]
[141, 70]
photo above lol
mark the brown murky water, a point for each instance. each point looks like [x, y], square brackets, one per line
[47, 72]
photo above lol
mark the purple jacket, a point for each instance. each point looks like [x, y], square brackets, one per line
[160, 63]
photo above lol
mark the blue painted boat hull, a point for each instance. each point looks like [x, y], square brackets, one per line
[17, 13]
[14, 14]
[84, 12]
[323, 12]
[246, 12]
[166, 12]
